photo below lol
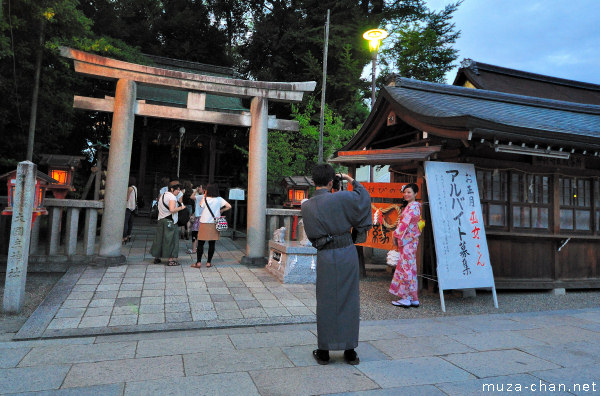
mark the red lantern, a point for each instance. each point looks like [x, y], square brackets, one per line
[41, 183]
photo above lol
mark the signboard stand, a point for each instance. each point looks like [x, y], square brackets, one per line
[235, 194]
[463, 260]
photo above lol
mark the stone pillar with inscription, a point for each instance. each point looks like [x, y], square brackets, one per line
[18, 251]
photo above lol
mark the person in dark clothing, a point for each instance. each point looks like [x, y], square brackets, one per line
[328, 221]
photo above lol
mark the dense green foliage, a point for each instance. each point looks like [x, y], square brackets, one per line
[295, 154]
[423, 49]
[272, 40]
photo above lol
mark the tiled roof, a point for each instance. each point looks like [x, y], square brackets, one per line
[453, 106]
[502, 79]
[487, 114]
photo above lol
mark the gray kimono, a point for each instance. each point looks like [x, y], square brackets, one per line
[338, 303]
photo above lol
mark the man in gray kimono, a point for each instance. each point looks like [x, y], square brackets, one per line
[328, 221]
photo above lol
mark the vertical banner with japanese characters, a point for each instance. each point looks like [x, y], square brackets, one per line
[463, 260]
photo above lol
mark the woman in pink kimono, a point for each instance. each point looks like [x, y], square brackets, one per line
[406, 237]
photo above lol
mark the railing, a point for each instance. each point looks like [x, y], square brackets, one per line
[61, 228]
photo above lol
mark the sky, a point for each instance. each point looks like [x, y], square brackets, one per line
[559, 38]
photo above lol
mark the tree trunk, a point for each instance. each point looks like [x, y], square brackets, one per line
[35, 94]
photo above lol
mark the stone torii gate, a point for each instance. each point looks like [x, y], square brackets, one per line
[125, 107]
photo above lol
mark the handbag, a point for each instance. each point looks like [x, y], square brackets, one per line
[220, 222]
[421, 224]
[392, 258]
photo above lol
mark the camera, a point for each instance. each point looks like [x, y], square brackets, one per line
[337, 183]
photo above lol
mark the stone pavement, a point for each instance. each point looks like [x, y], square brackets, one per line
[535, 353]
[142, 296]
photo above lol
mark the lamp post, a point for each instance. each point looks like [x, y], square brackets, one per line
[181, 133]
[374, 37]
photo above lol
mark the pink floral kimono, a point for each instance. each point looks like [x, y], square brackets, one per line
[404, 283]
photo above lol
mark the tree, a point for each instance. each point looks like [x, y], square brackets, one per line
[423, 49]
[292, 154]
[287, 38]
[30, 35]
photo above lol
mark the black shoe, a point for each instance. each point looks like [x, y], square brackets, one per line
[156, 261]
[321, 356]
[351, 357]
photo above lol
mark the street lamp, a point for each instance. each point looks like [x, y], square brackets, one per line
[374, 37]
[181, 133]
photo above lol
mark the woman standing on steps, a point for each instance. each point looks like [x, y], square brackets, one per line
[207, 230]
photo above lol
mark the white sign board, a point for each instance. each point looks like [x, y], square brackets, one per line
[236, 194]
[463, 260]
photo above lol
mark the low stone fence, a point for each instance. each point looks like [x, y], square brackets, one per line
[277, 218]
[54, 237]
[289, 261]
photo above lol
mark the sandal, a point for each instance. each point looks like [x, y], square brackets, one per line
[190, 251]
[172, 263]
[208, 265]
[197, 265]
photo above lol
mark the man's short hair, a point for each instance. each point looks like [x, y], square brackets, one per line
[322, 174]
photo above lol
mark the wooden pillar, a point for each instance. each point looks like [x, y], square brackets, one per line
[119, 161]
[257, 183]
[420, 248]
[213, 155]
[141, 182]
[556, 224]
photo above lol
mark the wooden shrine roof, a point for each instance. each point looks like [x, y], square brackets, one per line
[465, 113]
[502, 79]
[386, 156]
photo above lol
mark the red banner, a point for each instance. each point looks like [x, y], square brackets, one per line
[380, 236]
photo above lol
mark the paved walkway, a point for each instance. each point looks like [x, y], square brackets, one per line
[465, 355]
[142, 296]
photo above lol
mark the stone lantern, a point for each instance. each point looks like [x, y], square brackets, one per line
[296, 190]
[62, 169]
[41, 183]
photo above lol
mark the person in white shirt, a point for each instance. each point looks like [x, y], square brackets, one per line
[166, 240]
[207, 230]
[130, 206]
[197, 196]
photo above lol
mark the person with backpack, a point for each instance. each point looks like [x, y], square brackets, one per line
[166, 239]
[212, 207]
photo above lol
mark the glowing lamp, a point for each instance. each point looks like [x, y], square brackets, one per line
[41, 183]
[61, 176]
[296, 190]
[62, 170]
[374, 37]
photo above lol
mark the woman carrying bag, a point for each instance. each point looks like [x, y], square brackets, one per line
[166, 240]
[212, 207]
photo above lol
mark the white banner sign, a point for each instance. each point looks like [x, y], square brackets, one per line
[236, 194]
[463, 260]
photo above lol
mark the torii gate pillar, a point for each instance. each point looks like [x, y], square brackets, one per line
[257, 183]
[117, 178]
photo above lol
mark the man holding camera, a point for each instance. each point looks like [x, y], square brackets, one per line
[328, 221]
